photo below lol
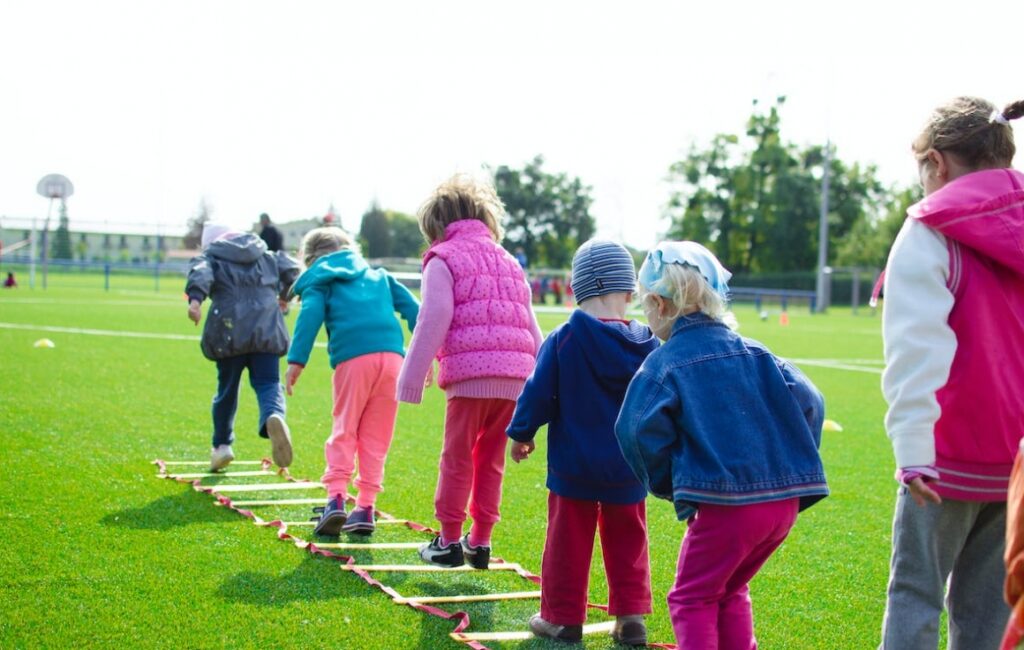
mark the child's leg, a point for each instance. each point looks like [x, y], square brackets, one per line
[626, 563]
[353, 383]
[489, 470]
[565, 569]
[463, 420]
[926, 544]
[265, 379]
[377, 427]
[225, 402]
[977, 611]
[724, 545]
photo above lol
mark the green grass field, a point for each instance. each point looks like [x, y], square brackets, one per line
[96, 551]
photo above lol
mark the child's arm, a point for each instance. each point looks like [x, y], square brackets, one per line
[307, 326]
[405, 303]
[919, 343]
[807, 395]
[647, 431]
[197, 286]
[433, 320]
[537, 403]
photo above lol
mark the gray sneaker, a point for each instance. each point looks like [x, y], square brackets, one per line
[221, 457]
[563, 633]
[280, 440]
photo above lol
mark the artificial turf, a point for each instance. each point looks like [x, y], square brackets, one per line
[96, 551]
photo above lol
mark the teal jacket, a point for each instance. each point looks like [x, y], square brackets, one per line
[358, 305]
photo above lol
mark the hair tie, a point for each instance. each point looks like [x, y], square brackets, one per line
[998, 117]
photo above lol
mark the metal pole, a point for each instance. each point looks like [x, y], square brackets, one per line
[32, 257]
[821, 289]
[46, 243]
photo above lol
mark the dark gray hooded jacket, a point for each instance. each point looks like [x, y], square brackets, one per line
[243, 282]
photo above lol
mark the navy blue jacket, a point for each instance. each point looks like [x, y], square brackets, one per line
[713, 417]
[577, 387]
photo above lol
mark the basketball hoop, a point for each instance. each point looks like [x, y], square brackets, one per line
[55, 186]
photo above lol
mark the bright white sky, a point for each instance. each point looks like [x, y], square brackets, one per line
[287, 107]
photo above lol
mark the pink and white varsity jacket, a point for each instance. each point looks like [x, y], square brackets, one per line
[953, 331]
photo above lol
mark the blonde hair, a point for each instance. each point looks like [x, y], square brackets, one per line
[461, 197]
[969, 128]
[324, 241]
[689, 293]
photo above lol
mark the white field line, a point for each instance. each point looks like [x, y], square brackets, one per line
[836, 364]
[115, 333]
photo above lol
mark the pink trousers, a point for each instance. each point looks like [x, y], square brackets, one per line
[364, 423]
[472, 464]
[569, 546]
[724, 548]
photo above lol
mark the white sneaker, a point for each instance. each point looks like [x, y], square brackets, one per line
[280, 441]
[221, 457]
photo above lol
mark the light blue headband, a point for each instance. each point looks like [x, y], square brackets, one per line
[687, 253]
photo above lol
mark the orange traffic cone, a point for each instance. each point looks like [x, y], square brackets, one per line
[783, 318]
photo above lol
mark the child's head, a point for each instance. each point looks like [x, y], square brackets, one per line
[679, 278]
[461, 197]
[601, 267]
[968, 134]
[324, 241]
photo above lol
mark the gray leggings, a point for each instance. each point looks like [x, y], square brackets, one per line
[959, 540]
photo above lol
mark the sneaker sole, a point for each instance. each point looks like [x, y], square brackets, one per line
[280, 441]
[221, 464]
[361, 528]
[331, 525]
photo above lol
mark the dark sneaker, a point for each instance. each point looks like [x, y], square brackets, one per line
[630, 630]
[478, 557]
[360, 522]
[563, 633]
[449, 556]
[332, 517]
[280, 440]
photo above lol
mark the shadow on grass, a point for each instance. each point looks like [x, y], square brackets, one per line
[315, 579]
[168, 512]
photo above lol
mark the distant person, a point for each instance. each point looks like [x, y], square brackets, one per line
[582, 372]
[244, 330]
[556, 290]
[728, 432]
[10, 282]
[270, 235]
[521, 257]
[953, 332]
[476, 319]
[357, 304]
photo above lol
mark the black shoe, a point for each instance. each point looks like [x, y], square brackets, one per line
[332, 517]
[360, 522]
[478, 557]
[447, 556]
[563, 633]
[629, 631]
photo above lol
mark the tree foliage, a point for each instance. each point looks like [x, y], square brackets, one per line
[194, 237]
[374, 232]
[755, 199]
[61, 248]
[388, 233]
[548, 214]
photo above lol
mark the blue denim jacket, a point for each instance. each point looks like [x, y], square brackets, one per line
[712, 417]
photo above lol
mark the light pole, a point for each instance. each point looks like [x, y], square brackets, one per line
[822, 285]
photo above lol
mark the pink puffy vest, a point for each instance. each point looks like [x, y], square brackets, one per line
[982, 404]
[490, 331]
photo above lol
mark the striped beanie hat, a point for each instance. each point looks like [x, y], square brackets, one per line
[601, 266]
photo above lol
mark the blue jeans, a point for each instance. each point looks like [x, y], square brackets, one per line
[264, 377]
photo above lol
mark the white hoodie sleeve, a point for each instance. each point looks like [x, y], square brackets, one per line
[919, 343]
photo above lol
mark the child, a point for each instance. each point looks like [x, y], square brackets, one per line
[953, 332]
[10, 282]
[365, 345]
[244, 330]
[582, 373]
[477, 320]
[728, 432]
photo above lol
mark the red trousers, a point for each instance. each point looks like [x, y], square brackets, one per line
[569, 547]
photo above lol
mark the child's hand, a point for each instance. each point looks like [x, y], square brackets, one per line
[522, 450]
[429, 381]
[921, 493]
[195, 311]
[282, 305]
[292, 376]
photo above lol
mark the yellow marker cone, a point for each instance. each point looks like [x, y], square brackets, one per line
[44, 343]
[831, 425]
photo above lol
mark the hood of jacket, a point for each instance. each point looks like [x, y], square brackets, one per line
[984, 211]
[614, 350]
[244, 249]
[343, 265]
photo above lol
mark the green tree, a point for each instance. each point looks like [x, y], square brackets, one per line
[61, 248]
[406, 238]
[755, 200]
[548, 214]
[871, 237]
[194, 237]
[375, 233]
